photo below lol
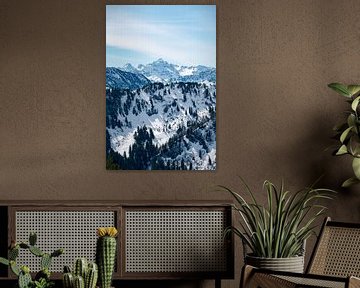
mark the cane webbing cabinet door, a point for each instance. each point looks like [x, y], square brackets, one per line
[176, 242]
[68, 227]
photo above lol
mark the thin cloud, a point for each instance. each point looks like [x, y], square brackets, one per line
[175, 41]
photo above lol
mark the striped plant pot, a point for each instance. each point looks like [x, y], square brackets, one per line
[291, 264]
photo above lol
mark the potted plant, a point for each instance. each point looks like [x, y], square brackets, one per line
[276, 233]
[348, 132]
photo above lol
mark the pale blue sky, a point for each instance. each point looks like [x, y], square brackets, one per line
[180, 34]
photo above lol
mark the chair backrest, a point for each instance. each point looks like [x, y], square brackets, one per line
[337, 251]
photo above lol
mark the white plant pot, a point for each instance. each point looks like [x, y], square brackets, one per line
[291, 264]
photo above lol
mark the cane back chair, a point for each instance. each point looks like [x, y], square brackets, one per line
[335, 262]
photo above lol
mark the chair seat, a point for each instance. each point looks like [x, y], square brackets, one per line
[268, 279]
[315, 282]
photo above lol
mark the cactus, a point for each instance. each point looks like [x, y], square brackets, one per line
[90, 272]
[105, 254]
[36, 251]
[13, 253]
[80, 268]
[42, 278]
[24, 277]
[45, 261]
[91, 276]
[68, 280]
[79, 282]
[67, 269]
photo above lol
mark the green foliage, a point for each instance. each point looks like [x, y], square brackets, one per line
[348, 132]
[42, 278]
[279, 229]
[42, 283]
[4, 261]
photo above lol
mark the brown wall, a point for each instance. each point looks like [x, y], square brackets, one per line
[275, 113]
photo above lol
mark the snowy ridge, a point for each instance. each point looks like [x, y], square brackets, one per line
[162, 71]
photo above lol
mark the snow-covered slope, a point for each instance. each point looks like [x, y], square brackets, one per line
[175, 122]
[116, 78]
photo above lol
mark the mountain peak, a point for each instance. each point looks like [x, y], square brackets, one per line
[128, 65]
[160, 60]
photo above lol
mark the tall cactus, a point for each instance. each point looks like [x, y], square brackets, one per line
[106, 254]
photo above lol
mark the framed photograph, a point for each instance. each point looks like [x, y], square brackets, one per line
[161, 87]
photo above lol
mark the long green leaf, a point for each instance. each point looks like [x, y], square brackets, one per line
[355, 103]
[340, 88]
[342, 150]
[345, 134]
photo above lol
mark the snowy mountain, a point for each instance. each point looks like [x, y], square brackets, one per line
[168, 126]
[162, 71]
[161, 116]
[116, 78]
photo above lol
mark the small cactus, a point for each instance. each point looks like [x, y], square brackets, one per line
[81, 266]
[79, 282]
[89, 272]
[67, 269]
[106, 254]
[68, 280]
[91, 276]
